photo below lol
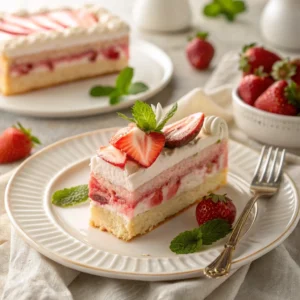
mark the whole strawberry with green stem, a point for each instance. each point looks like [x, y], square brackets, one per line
[253, 85]
[16, 143]
[199, 51]
[214, 206]
[282, 97]
[253, 57]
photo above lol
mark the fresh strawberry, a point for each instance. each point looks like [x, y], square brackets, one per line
[113, 156]
[142, 147]
[252, 57]
[280, 98]
[16, 143]
[183, 131]
[215, 207]
[286, 69]
[253, 85]
[199, 51]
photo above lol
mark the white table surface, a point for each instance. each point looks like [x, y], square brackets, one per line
[225, 36]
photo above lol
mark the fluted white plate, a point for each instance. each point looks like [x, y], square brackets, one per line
[65, 236]
[151, 65]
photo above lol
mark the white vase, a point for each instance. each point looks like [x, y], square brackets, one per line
[280, 23]
[162, 15]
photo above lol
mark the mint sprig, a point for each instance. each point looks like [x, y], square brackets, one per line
[123, 87]
[193, 240]
[71, 196]
[145, 118]
[228, 8]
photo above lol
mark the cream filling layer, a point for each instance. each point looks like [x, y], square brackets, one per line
[134, 176]
[188, 182]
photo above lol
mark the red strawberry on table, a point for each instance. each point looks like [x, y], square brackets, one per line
[142, 147]
[252, 57]
[16, 143]
[113, 156]
[253, 85]
[199, 51]
[280, 98]
[183, 131]
[215, 206]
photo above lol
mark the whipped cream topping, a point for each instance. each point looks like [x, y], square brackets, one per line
[133, 176]
[24, 33]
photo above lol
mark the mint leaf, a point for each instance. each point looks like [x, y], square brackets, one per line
[100, 91]
[228, 8]
[137, 87]
[115, 97]
[125, 117]
[187, 242]
[214, 230]
[167, 117]
[71, 196]
[144, 116]
[238, 7]
[212, 10]
[124, 80]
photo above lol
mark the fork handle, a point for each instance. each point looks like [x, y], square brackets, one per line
[222, 264]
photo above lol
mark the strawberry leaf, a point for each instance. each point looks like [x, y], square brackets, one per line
[283, 69]
[292, 93]
[167, 117]
[202, 35]
[144, 116]
[216, 197]
[248, 46]
[27, 132]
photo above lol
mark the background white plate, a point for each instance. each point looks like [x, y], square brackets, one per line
[150, 63]
[64, 235]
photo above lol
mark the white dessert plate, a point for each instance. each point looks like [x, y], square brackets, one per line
[63, 234]
[151, 65]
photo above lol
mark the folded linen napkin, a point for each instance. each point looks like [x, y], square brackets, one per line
[29, 275]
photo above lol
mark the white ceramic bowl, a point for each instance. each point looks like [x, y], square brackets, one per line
[268, 128]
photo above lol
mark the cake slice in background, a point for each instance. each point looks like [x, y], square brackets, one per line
[50, 47]
[137, 182]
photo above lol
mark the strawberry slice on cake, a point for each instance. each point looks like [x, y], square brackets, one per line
[151, 171]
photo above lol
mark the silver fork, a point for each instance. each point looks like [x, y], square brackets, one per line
[265, 183]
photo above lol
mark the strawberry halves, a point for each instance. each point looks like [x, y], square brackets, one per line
[183, 131]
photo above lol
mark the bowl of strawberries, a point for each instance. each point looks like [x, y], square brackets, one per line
[266, 103]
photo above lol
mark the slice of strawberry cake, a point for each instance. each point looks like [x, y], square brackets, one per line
[50, 47]
[150, 171]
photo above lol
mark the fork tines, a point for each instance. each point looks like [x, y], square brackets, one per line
[269, 167]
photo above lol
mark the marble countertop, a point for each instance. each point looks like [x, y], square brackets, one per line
[225, 37]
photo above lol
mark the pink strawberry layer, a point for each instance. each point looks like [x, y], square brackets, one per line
[109, 53]
[180, 177]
